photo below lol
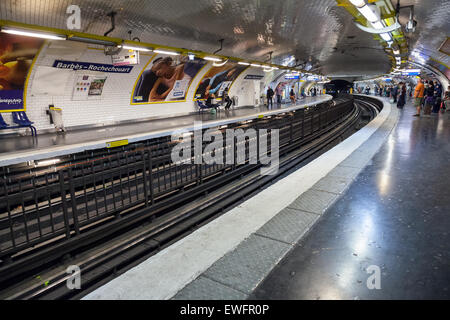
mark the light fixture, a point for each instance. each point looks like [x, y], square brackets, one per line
[396, 52]
[368, 13]
[215, 64]
[377, 25]
[33, 34]
[127, 47]
[191, 56]
[385, 36]
[358, 3]
[255, 65]
[212, 59]
[166, 52]
[93, 41]
[243, 63]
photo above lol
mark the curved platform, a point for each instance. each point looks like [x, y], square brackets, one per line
[215, 268]
[15, 149]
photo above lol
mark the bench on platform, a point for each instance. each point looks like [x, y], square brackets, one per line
[203, 106]
[21, 120]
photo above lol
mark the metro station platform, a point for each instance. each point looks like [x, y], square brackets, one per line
[376, 199]
[17, 149]
[395, 215]
[379, 198]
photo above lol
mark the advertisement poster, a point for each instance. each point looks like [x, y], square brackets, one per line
[130, 58]
[88, 86]
[17, 54]
[166, 79]
[217, 79]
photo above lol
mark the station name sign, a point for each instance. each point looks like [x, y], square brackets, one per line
[88, 66]
[253, 77]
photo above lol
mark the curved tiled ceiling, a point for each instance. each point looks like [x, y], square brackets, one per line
[317, 32]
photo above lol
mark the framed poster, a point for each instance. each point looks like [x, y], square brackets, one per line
[217, 79]
[166, 78]
[17, 56]
[88, 87]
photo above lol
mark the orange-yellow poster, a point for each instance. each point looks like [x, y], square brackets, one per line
[16, 57]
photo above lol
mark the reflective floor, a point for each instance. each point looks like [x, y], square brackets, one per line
[395, 216]
[9, 144]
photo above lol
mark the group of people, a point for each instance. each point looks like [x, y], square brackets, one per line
[211, 101]
[428, 97]
[292, 96]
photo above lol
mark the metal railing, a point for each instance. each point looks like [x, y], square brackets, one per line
[42, 205]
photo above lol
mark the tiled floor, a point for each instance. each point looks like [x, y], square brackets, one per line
[395, 216]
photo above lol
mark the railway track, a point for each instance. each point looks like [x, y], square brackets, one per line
[113, 243]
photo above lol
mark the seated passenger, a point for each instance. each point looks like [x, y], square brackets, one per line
[211, 101]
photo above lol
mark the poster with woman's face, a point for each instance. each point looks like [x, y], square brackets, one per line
[166, 79]
[217, 80]
[16, 57]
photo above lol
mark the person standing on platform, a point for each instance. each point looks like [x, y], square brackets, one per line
[292, 95]
[437, 97]
[395, 93]
[446, 104]
[402, 98]
[278, 91]
[418, 96]
[429, 98]
[270, 94]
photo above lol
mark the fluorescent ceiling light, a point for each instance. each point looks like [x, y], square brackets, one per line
[215, 64]
[377, 25]
[166, 52]
[385, 36]
[243, 63]
[396, 52]
[255, 65]
[34, 34]
[212, 59]
[368, 13]
[93, 41]
[134, 48]
[358, 3]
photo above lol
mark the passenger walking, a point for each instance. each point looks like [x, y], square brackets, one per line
[270, 96]
[418, 96]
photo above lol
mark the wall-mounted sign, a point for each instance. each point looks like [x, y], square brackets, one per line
[411, 72]
[88, 86]
[17, 55]
[291, 77]
[129, 58]
[88, 66]
[253, 77]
